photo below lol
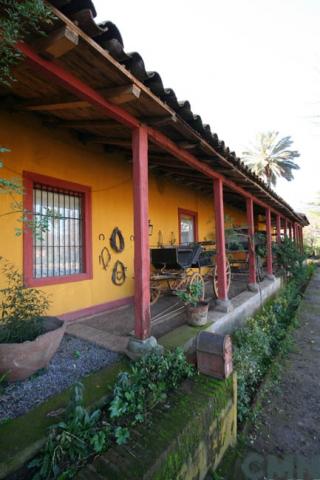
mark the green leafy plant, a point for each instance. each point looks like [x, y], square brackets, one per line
[72, 441]
[83, 434]
[288, 256]
[192, 295]
[260, 241]
[22, 309]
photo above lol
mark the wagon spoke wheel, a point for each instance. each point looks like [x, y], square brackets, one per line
[215, 278]
[154, 295]
[197, 278]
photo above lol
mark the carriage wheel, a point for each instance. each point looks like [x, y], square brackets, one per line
[154, 295]
[197, 278]
[215, 278]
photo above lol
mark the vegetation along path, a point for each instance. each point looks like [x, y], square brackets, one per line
[286, 441]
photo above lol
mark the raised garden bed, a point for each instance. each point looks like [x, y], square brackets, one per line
[74, 359]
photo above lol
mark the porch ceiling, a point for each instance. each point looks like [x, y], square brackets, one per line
[95, 55]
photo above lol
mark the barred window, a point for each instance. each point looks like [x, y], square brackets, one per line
[58, 251]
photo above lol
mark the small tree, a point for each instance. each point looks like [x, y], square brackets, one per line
[17, 21]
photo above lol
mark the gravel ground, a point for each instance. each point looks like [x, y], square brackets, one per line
[74, 359]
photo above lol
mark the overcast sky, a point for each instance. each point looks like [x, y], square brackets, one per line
[246, 66]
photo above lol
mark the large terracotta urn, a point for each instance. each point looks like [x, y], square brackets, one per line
[20, 360]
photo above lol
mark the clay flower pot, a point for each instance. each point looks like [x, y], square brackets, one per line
[198, 316]
[20, 360]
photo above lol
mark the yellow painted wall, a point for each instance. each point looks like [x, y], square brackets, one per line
[58, 154]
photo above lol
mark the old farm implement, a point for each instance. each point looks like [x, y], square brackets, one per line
[176, 267]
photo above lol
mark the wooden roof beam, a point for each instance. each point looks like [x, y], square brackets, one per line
[123, 142]
[117, 96]
[188, 145]
[109, 124]
[57, 43]
[159, 121]
[120, 95]
[53, 106]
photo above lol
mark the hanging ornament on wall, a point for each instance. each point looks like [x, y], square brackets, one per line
[104, 258]
[117, 240]
[119, 273]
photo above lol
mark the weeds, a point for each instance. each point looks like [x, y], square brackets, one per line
[82, 434]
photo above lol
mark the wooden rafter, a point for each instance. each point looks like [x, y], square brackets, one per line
[58, 43]
[116, 96]
[159, 121]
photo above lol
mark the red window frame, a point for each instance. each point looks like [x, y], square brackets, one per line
[190, 213]
[29, 180]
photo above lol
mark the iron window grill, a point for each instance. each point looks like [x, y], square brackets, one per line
[58, 251]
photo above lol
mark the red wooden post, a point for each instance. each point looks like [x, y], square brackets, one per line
[295, 236]
[286, 227]
[223, 303]
[302, 248]
[269, 245]
[290, 230]
[300, 237]
[252, 285]
[278, 220]
[141, 237]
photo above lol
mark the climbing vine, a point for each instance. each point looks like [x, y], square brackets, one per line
[17, 21]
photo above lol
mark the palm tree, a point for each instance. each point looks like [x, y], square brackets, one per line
[271, 157]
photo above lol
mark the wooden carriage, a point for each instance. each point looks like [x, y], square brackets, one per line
[176, 267]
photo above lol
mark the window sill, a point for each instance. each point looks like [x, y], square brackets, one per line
[40, 282]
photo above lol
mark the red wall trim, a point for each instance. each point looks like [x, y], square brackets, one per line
[29, 179]
[182, 211]
[95, 309]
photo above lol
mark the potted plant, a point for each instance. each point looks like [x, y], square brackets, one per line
[28, 338]
[197, 308]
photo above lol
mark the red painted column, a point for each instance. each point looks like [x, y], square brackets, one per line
[269, 243]
[290, 230]
[251, 245]
[220, 245]
[141, 237]
[285, 227]
[295, 233]
[278, 220]
[302, 248]
[300, 237]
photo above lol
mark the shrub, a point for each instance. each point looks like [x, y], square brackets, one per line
[288, 256]
[82, 434]
[22, 308]
[260, 339]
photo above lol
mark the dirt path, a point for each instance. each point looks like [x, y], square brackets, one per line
[286, 445]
